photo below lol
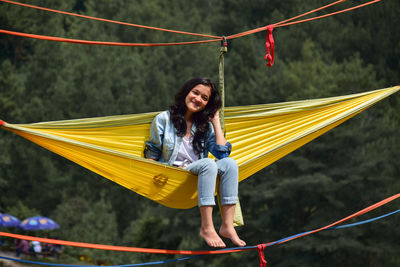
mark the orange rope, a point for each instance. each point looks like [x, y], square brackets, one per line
[118, 248]
[296, 17]
[77, 41]
[215, 38]
[188, 252]
[283, 23]
[361, 212]
[327, 15]
[310, 12]
[110, 21]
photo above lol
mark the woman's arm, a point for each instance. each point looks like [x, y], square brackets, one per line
[153, 146]
[216, 142]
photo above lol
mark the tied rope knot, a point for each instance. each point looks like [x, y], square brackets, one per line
[270, 45]
[263, 261]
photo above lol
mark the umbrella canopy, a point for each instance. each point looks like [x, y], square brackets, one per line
[38, 223]
[7, 220]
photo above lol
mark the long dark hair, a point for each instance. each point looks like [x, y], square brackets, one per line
[201, 118]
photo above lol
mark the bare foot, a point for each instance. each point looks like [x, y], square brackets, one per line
[212, 238]
[230, 232]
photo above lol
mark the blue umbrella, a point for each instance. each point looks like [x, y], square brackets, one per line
[7, 220]
[38, 223]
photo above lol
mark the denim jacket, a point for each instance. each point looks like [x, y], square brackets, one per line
[163, 144]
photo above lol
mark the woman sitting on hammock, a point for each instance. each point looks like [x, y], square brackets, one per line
[182, 136]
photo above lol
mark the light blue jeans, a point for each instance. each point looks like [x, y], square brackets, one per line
[207, 170]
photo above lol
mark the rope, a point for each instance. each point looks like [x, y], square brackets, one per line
[116, 248]
[188, 252]
[283, 23]
[260, 248]
[311, 11]
[77, 41]
[215, 38]
[270, 46]
[368, 209]
[330, 14]
[71, 265]
[109, 21]
[296, 17]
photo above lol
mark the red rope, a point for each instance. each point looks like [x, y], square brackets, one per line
[77, 41]
[283, 23]
[216, 38]
[311, 11]
[110, 21]
[260, 249]
[361, 212]
[278, 23]
[188, 252]
[270, 45]
[117, 248]
[327, 15]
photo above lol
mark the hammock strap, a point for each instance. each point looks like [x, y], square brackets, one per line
[238, 217]
[223, 50]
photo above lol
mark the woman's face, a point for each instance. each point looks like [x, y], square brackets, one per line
[198, 98]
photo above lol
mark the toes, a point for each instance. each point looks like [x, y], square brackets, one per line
[212, 239]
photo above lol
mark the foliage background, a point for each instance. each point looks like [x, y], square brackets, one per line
[341, 172]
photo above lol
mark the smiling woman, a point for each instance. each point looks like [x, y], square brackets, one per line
[183, 136]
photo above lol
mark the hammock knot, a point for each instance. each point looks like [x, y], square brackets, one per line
[270, 45]
[224, 44]
[160, 179]
[260, 249]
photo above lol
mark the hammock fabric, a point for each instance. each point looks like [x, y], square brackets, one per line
[260, 134]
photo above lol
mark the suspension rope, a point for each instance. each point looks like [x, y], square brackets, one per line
[368, 209]
[188, 252]
[77, 41]
[284, 21]
[215, 38]
[260, 248]
[119, 248]
[330, 14]
[311, 11]
[110, 21]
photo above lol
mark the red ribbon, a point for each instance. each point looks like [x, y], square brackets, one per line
[270, 45]
[1, 123]
[263, 261]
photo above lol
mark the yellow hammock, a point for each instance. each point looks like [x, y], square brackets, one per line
[260, 134]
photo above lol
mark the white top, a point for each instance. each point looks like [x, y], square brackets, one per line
[36, 246]
[186, 153]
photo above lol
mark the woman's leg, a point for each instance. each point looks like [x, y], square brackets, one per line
[207, 229]
[228, 189]
[207, 171]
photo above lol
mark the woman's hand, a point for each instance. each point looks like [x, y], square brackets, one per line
[215, 120]
[219, 135]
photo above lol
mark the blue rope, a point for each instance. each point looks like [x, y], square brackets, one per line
[126, 265]
[336, 227]
[195, 256]
[363, 222]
